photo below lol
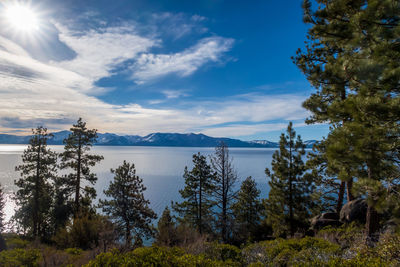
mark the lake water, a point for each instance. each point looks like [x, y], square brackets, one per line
[161, 168]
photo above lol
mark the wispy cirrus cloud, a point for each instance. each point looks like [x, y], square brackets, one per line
[152, 66]
[51, 101]
[179, 25]
[99, 51]
[55, 93]
[169, 95]
[244, 129]
[172, 94]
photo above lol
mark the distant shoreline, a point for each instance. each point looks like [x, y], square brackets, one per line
[153, 140]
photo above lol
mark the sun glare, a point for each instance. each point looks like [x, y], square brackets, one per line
[22, 18]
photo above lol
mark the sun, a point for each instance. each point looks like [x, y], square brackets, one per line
[22, 18]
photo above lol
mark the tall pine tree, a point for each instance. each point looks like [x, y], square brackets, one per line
[323, 63]
[127, 206]
[225, 180]
[196, 209]
[289, 201]
[76, 157]
[34, 194]
[352, 47]
[247, 210]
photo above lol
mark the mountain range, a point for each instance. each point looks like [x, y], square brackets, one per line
[154, 139]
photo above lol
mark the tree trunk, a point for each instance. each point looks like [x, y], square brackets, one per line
[372, 220]
[78, 179]
[36, 197]
[128, 238]
[224, 196]
[200, 207]
[291, 190]
[340, 197]
[350, 196]
[372, 225]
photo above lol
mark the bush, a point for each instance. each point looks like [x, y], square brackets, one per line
[15, 241]
[155, 256]
[74, 251]
[87, 231]
[388, 247]
[20, 257]
[222, 252]
[289, 252]
[346, 235]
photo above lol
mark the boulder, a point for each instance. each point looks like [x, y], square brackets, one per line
[355, 210]
[390, 226]
[329, 216]
[325, 219]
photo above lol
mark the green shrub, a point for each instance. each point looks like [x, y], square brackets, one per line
[155, 256]
[85, 232]
[15, 241]
[74, 251]
[291, 252]
[388, 247]
[357, 261]
[346, 235]
[222, 252]
[20, 257]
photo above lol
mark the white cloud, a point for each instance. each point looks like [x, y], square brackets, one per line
[151, 66]
[255, 108]
[57, 93]
[237, 130]
[178, 25]
[172, 94]
[100, 51]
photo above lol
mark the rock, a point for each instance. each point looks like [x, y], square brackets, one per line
[330, 216]
[355, 210]
[325, 219]
[390, 226]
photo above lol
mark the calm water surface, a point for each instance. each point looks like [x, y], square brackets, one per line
[161, 168]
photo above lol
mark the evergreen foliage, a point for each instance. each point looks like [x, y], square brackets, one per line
[34, 195]
[166, 230]
[196, 209]
[225, 180]
[2, 205]
[247, 210]
[329, 191]
[352, 48]
[62, 207]
[76, 157]
[289, 201]
[127, 206]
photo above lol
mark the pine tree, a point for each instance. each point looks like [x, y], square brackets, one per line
[2, 206]
[196, 209]
[127, 206]
[76, 157]
[352, 47]
[35, 190]
[62, 208]
[289, 201]
[166, 230]
[247, 210]
[225, 180]
[324, 64]
[329, 191]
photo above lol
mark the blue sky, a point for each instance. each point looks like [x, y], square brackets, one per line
[221, 68]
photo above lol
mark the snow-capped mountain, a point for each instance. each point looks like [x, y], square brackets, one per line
[154, 139]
